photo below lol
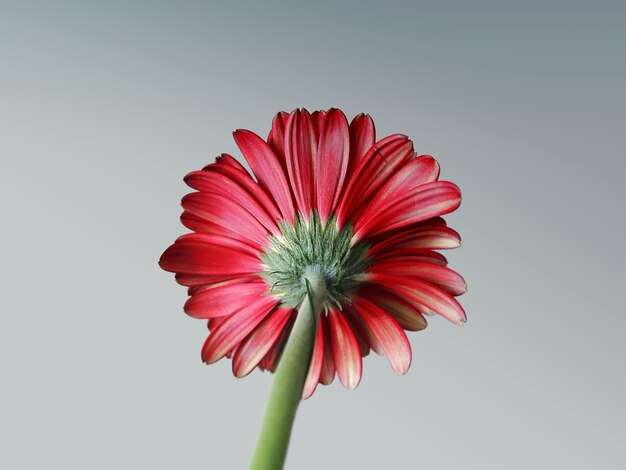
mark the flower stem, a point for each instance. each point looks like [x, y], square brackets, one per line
[271, 448]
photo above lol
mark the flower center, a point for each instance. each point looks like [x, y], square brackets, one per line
[310, 247]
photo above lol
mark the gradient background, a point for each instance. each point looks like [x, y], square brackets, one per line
[106, 105]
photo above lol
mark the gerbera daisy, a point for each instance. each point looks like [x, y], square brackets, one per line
[325, 204]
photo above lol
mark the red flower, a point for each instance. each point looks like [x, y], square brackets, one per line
[327, 197]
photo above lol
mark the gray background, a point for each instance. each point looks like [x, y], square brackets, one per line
[106, 105]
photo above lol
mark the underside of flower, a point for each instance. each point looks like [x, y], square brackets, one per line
[309, 246]
[323, 199]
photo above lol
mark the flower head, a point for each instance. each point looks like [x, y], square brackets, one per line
[364, 215]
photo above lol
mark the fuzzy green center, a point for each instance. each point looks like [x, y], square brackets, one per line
[308, 247]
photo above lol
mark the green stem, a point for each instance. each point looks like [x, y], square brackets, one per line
[271, 448]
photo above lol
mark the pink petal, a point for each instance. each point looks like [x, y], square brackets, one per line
[430, 237]
[318, 118]
[225, 280]
[267, 169]
[434, 221]
[224, 299]
[198, 224]
[332, 162]
[361, 333]
[388, 332]
[196, 280]
[373, 170]
[411, 255]
[196, 253]
[315, 367]
[213, 323]
[230, 332]
[423, 293]
[226, 161]
[276, 137]
[413, 173]
[228, 236]
[218, 183]
[270, 360]
[362, 138]
[440, 276]
[222, 210]
[361, 329]
[425, 201]
[406, 314]
[300, 153]
[328, 363]
[253, 349]
[346, 353]
[243, 179]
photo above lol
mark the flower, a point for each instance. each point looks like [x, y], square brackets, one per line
[364, 214]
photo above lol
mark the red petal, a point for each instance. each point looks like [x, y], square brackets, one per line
[276, 137]
[220, 209]
[362, 138]
[318, 118]
[198, 224]
[332, 162]
[235, 328]
[300, 153]
[213, 323]
[197, 253]
[413, 173]
[225, 280]
[224, 299]
[440, 276]
[270, 360]
[253, 349]
[226, 160]
[406, 314]
[267, 169]
[195, 280]
[425, 201]
[411, 255]
[388, 332]
[423, 293]
[361, 329]
[315, 367]
[436, 221]
[243, 179]
[346, 353]
[430, 237]
[227, 236]
[328, 364]
[217, 183]
[373, 170]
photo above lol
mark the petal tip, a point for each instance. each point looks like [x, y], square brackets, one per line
[352, 384]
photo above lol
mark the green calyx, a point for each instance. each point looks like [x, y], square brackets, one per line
[310, 247]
